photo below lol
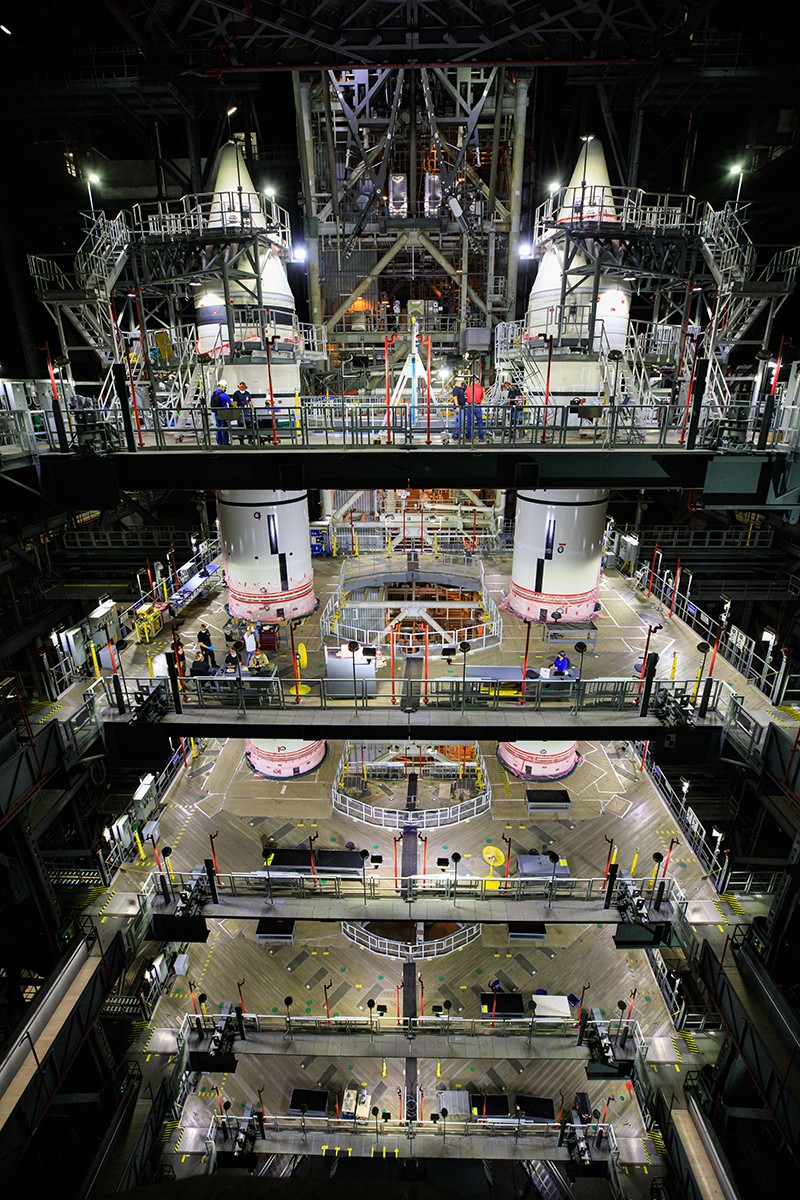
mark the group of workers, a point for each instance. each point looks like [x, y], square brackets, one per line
[468, 400]
[221, 404]
[243, 650]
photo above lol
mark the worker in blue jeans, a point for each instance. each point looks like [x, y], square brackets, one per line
[460, 402]
[474, 395]
[220, 403]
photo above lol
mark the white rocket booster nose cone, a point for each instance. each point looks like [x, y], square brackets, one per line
[236, 202]
[588, 194]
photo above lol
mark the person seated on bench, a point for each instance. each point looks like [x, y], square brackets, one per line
[258, 663]
[561, 662]
[199, 666]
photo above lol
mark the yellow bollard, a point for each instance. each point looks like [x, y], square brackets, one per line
[436, 545]
[635, 861]
[439, 1069]
[150, 666]
[674, 664]
[697, 684]
[139, 845]
[194, 748]
[95, 663]
[164, 585]
[614, 856]
[355, 544]
[383, 1069]
[297, 411]
[168, 861]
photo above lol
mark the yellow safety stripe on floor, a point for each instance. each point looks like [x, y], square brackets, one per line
[168, 1130]
[677, 1048]
[688, 1037]
[178, 1142]
[721, 911]
[646, 1149]
[204, 967]
[657, 1141]
[732, 901]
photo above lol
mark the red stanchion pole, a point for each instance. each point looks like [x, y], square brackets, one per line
[652, 571]
[675, 588]
[212, 837]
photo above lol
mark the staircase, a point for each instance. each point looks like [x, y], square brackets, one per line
[85, 299]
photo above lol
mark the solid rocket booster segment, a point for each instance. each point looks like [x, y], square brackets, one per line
[558, 544]
[284, 760]
[538, 760]
[267, 554]
[563, 308]
[261, 301]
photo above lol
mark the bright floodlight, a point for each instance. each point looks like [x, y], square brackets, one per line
[737, 169]
[300, 254]
[94, 178]
[553, 187]
[233, 108]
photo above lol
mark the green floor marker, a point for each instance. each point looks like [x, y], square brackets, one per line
[342, 969]
[682, 866]
[380, 977]
[441, 978]
[648, 999]
[602, 1012]
[445, 847]
[472, 1068]
[375, 847]
[333, 839]
[349, 1065]
[479, 971]
[274, 1010]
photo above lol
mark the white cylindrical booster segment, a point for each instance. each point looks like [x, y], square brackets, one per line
[283, 760]
[558, 544]
[538, 760]
[266, 553]
[569, 322]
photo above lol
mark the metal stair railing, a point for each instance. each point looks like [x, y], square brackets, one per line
[726, 246]
[102, 255]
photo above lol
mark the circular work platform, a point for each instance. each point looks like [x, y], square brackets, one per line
[397, 939]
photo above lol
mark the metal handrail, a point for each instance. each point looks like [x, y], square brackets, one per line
[411, 951]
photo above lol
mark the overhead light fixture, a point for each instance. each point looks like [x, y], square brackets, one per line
[269, 193]
[300, 254]
[5, 29]
[553, 187]
[737, 169]
[233, 108]
[93, 178]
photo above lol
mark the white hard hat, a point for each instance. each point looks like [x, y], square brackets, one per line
[222, 384]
